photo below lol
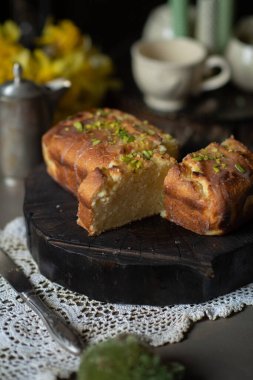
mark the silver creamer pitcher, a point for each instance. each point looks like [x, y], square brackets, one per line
[26, 111]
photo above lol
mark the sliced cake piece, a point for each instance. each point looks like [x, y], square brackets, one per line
[113, 162]
[211, 191]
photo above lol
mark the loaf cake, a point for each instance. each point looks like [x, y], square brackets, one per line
[211, 191]
[113, 162]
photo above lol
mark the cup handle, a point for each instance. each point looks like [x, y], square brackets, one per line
[218, 80]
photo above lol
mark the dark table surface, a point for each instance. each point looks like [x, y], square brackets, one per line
[211, 350]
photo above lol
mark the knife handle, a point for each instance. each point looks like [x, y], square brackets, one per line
[57, 328]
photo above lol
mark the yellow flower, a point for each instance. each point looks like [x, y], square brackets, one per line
[10, 31]
[61, 51]
[62, 37]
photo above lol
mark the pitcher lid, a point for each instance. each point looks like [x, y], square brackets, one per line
[19, 88]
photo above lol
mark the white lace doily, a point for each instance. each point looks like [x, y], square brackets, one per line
[28, 352]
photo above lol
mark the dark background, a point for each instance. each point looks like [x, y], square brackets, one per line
[111, 23]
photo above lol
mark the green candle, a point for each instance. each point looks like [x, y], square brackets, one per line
[225, 21]
[179, 13]
[206, 23]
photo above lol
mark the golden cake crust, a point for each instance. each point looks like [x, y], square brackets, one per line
[91, 148]
[210, 191]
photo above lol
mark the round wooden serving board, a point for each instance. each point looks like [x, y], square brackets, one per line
[146, 262]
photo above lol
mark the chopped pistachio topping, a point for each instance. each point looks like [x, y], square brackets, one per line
[124, 135]
[132, 160]
[114, 129]
[216, 169]
[167, 138]
[197, 170]
[147, 154]
[205, 155]
[127, 158]
[213, 155]
[135, 159]
[95, 141]
[113, 125]
[78, 126]
[198, 158]
[143, 127]
[150, 132]
[137, 164]
[240, 168]
[228, 148]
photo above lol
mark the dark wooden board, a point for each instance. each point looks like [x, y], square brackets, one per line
[146, 262]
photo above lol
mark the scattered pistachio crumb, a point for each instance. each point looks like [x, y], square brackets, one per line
[132, 159]
[95, 141]
[240, 168]
[124, 135]
[147, 154]
[151, 132]
[216, 169]
[198, 158]
[78, 126]
[137, 164]
[127, 158]
[197, 171]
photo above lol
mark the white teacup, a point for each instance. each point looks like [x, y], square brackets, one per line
[169, 71]
[239, 54]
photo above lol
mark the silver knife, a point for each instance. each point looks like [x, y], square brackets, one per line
[57, 328]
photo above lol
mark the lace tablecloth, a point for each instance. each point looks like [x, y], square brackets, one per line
[28, 352]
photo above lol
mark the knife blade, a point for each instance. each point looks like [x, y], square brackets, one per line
[58, 329]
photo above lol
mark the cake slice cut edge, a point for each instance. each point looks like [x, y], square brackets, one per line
[114, 197]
